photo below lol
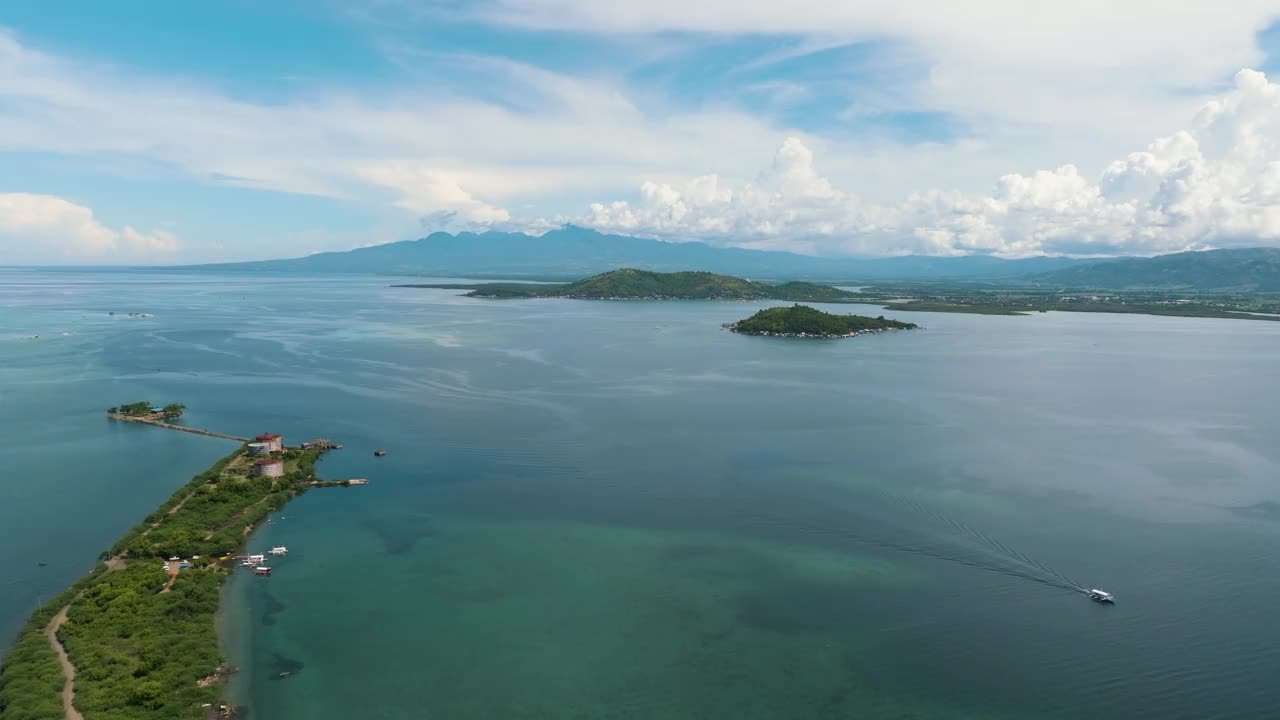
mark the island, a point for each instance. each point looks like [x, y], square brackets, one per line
[145, 411]
[135, 637]
[632, 284]
[802, 321]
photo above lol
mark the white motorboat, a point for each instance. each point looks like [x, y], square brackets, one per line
[1101, 596]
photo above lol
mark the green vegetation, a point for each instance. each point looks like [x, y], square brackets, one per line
[139, 652]
[629, 284]
[216, 506]
[804, 321]
[999, 300]
[137, 409]
[31, 679]
[141, 649]
[144, 409]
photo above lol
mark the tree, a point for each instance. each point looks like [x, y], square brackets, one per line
[136, 409]
[148, 694]
[173, 411]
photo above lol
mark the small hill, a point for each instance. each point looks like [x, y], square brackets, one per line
[804, 321]
[1256, 269]
[629, 283]
[632, 284]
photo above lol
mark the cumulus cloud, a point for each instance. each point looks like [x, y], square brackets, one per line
[535, 146]
[427, 191]
[1216, 184]
[45, 228]
[431, 149]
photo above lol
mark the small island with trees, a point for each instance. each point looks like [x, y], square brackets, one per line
[802, 321]
[145, 410]
[631, 284]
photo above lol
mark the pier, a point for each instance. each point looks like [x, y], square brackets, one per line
[148, 420]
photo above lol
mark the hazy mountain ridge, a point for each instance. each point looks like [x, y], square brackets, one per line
[1256, 269]
[574, 252]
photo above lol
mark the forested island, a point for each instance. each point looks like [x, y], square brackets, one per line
[802, 321]
[631, 284]
[145, 410]
[135, 638]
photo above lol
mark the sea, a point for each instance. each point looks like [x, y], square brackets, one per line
[621, 510]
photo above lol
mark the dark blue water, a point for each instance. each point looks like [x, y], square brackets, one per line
[619, 510]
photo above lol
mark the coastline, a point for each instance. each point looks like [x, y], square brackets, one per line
[114, 608]
[233, 642]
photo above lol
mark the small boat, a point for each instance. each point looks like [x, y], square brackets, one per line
[1101, 596]
[379, 453]
[262, 570]
[281, 550]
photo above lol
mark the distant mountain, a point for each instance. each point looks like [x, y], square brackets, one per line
[574, 252]
[632, 284]
[1256, 269]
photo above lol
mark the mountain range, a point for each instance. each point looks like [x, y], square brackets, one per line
[1248, 269]
[572, 253]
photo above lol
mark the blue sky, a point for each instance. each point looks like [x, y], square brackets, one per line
[156, 133]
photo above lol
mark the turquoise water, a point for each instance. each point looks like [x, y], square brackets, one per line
[593, 510]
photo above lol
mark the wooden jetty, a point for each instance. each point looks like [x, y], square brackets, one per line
[160, 423]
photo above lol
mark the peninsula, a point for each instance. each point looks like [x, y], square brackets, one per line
[135, 637]
[801, 321]
[631, 284]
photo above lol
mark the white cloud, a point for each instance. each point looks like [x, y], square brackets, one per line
[1215, 184]
[426, 190]
[45, 228]
[430, 151]
[1035, 85]
[1098, 63]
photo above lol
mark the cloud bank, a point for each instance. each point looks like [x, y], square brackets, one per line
[1215, 184]
[46, 228]
[481, 141]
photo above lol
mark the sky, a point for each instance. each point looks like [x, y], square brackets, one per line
[163, 133]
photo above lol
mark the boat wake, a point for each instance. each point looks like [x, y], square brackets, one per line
[1005, 559]
[949, 540]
